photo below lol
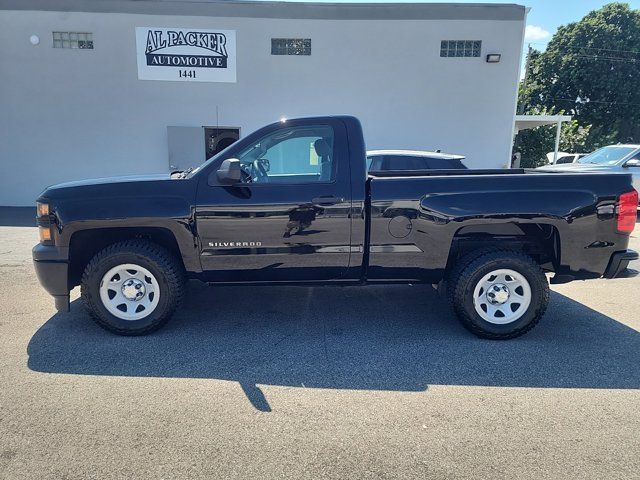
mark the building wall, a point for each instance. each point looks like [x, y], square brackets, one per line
[71, 114]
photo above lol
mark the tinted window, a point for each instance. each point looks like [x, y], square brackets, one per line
[403, 162]
[445, 164]
[408, 162]
[566, 159]
[290, 155]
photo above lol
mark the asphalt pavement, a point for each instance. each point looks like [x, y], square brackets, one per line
[322, 382]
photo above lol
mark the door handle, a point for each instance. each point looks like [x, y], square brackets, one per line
[326, 200]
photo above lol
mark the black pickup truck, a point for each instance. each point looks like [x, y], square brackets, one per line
[292, 203]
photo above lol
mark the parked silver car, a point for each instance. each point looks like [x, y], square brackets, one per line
[614, 158]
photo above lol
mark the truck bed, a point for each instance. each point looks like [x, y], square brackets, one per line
[421, 215]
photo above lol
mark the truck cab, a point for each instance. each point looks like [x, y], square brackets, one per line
[299, 171]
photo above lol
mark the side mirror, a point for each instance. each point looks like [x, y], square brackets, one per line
[634, 162]
[229, 172]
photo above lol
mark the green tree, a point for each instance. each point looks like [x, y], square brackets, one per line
[535, 143]
[591, 70]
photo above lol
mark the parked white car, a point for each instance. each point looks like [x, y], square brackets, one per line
[614, 158]
[564, 157]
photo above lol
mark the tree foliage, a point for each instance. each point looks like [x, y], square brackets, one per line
[590, 70]
[534, 144]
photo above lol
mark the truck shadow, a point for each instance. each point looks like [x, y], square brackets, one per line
[375, 338]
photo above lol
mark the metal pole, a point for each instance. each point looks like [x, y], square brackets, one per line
[558, 131]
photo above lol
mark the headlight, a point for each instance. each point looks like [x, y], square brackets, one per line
[45, 234]
[42, 209]
[43, 219]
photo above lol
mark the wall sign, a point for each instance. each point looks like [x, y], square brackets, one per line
[186, 54]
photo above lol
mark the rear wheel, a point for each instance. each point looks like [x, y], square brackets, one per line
[498, 294]
[132, 287]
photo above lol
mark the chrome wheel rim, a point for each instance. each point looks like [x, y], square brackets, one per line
[129, 292]
[502, 296]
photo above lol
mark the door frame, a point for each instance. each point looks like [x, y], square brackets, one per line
[224, 196]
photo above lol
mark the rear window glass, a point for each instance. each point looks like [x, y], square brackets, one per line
[403, 162]
[445, 164]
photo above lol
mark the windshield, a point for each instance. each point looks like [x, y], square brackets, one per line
[607, 155]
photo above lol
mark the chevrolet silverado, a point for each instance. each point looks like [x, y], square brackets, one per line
[293, 203]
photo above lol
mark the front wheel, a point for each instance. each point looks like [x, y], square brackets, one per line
[132, 287]
[498, 294]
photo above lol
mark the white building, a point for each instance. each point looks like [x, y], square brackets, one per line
[78, 100]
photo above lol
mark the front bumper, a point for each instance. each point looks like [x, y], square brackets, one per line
[619, 262]
[52, 269]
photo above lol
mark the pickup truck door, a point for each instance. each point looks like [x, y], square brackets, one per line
[289, 217]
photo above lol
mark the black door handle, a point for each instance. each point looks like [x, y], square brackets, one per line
[326, 200]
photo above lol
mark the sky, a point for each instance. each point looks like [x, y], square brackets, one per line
[544, 17]
[547, 15]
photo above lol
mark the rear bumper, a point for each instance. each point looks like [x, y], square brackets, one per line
[619, 262]
[52, 269]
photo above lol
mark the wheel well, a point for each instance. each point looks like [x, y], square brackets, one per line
[86, 243]
[540, 241]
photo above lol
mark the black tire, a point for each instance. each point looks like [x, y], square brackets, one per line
[471, 269]
[157, 260]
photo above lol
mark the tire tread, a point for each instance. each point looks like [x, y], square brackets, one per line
[166, 262]
[468, 264]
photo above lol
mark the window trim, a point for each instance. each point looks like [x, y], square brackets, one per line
[284, 184]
